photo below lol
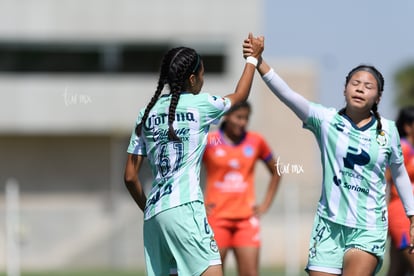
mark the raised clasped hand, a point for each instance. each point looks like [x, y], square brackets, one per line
[253, 46]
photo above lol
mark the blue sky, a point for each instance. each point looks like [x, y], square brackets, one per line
[339, 35]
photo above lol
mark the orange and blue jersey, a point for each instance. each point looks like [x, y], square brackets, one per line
[230, 190]
[398, 223]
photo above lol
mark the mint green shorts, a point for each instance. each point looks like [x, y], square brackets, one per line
[180, 240]
[330, 241]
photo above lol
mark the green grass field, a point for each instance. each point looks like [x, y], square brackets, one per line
[82, 273]
[264, 272]
[103, 272]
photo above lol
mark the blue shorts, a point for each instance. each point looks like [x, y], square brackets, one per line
[330, 241]
[180, 238]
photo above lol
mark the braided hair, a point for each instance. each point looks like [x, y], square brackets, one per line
[380, 84]
[176, 67]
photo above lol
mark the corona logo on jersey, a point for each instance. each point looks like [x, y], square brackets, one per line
[158, 123]
[162, 119]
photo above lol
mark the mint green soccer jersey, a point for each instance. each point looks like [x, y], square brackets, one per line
[353, 163]
[176, 165]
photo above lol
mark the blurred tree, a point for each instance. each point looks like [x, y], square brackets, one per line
[404, 79]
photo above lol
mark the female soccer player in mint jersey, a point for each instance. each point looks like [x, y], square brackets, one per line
[171, 131]
[357, 144]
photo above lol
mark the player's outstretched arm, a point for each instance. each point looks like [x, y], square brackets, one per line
[243, 87]
[296, 102]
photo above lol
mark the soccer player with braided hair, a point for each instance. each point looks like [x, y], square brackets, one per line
[171, 131]
[356, 144]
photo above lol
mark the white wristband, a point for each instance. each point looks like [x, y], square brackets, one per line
[252, 60]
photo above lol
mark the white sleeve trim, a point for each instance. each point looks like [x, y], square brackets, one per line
[403, 185]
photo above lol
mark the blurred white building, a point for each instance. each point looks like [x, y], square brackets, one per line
[73, 75]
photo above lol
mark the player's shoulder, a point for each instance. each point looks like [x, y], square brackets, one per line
[195, 99]
[389, 126]
[255, 135]
[388, 121]
[318, 111]
[207, 100]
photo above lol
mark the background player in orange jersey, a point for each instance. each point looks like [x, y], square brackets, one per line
[229, 159]
[401, 262]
